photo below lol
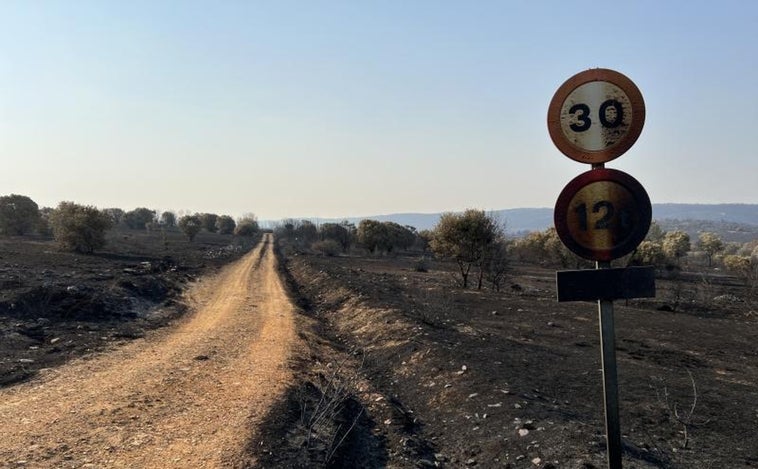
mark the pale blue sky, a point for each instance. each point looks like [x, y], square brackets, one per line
[332, 109]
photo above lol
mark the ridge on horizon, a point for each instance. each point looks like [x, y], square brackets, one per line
[538, 218]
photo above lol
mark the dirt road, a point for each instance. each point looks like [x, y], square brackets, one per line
[188, 396]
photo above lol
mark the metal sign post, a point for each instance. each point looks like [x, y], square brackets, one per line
[610, 379]
[602, 214]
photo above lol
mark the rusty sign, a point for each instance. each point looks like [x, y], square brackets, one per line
[602, 214]
[596, 116]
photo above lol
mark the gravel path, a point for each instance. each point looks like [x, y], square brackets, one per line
[188, 396]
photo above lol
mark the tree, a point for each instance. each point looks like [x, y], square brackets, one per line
[746, 267]
[116, 215]
[649, 253]
[168, 219]
[190, 226]
[247, 226]
[79, 228]
[209, 222]
[43, 223]
[655, 233]
[225, 224]
[18, 214]
[337, 232]
[373, 236]
[676, 244]
[545, 247]
[497, 263]
[400, 237]
[465, 238]
[138, 218]
[424, 238]
[711, 244]
[306, 233]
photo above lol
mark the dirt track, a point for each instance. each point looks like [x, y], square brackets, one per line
[189, 396]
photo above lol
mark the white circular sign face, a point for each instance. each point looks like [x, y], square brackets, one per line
[596, 115]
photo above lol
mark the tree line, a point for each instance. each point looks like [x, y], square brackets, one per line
[83, 228]
[474, 240]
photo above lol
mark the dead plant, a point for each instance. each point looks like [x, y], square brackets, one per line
[685, 417]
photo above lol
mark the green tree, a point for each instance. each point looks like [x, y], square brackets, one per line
[465, 238]
[337, 232]
[116, 214]
[373, 236]
[247, 226]
[401, 237]
[649, 253]
[745, 267]
[168, 219]
[79, 228]
[209, 222]
[225, 224]
[190, 225]
[711, 244]
[19, 214]
[546, 248]
[139, 218]
[676, 244]
[306, 233]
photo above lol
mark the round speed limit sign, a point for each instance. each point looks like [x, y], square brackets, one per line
[596, 116]
[603, 214]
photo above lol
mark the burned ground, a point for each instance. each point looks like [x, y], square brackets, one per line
[405, 369]
[454, 378]
[56, 305]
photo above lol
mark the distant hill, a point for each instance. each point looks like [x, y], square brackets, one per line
[741, 220]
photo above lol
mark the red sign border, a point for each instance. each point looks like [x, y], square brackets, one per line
[614, 151]
[644, 206]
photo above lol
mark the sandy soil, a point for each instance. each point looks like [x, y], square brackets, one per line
[189, 396]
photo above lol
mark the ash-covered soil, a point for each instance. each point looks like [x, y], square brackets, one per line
[56, 305]
[432, 375]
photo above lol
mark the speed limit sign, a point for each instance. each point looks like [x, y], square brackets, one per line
[602, 214]
[596, 116]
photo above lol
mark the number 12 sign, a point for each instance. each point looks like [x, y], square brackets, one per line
[602, 214]
[596, 116]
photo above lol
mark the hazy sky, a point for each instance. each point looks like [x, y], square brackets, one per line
[331, 109]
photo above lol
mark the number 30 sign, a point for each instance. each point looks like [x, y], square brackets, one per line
[596, 116]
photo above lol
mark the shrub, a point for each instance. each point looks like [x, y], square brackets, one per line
[79, 228]
[327, 247]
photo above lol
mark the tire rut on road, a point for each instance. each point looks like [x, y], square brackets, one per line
[186, 397]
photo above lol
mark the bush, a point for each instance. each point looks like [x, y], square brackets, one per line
[79, 228]
[327, 247]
